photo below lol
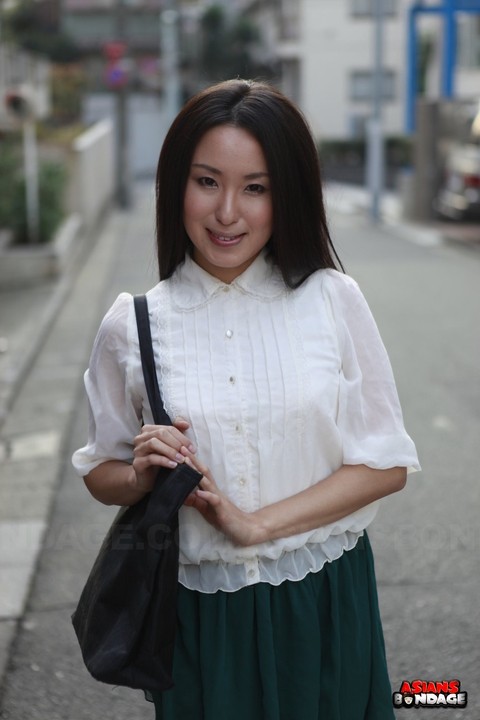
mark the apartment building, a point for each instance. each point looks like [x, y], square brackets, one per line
[324, 54]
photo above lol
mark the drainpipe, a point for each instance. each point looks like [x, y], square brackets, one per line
[449, 51]
[375, 147]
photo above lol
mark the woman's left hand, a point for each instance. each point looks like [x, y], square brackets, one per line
[239, 526]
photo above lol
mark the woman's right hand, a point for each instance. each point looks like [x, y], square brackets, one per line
[160, 446]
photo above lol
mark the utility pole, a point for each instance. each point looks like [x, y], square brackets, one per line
[122, 154]
[375, 144]
[169, 53]
[21, 106]
[31, 179]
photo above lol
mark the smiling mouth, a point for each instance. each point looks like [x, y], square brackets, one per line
[223, 240]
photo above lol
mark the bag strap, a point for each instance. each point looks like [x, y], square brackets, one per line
[160, 416]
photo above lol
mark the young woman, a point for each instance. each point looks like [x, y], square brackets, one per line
[270, 361]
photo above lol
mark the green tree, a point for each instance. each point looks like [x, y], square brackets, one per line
[243, 37]
[10, 160]
[34, 29]
[425, 54]
[228, 49]
[214, 42]
[51, 181]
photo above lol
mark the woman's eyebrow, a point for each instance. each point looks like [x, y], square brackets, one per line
[207, 167]
[215, 171]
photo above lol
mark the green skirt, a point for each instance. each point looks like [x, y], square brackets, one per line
[306, 650]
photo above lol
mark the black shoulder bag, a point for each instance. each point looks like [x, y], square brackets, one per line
[126, 616]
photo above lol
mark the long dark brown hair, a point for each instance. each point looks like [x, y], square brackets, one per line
[300, 242]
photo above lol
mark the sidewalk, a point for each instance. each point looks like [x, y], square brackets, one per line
[349, 199]
[46, 335]
[44, 346]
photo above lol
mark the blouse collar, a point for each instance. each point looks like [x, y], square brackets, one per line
[193, 286]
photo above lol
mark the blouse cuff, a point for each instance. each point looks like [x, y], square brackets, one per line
[383, 452]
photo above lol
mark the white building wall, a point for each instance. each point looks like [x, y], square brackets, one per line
[332, 43]
[335, 44]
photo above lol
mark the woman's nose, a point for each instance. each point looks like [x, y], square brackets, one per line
[226, 210]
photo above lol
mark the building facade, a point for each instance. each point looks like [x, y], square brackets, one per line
[324, 54]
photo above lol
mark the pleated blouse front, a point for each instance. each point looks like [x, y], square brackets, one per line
[281, 387]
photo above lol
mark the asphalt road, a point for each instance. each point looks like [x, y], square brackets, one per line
[426, 539]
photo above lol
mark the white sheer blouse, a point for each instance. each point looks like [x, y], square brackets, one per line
[280, 387]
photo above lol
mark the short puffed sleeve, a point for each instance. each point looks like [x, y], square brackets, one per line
[114, 409]
[369, 414]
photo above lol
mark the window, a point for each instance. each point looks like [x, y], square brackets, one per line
[358, 126]
[361, 85]
[289, 20]
[468, 41]
[365, 8]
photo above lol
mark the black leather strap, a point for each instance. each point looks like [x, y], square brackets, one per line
[148, 362]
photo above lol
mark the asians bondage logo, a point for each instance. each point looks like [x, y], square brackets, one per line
[430, 693]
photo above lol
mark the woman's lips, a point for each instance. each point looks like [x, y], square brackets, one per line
[224, 240]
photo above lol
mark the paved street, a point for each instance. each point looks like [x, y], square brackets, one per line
[425, 295]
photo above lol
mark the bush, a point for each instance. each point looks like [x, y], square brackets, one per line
[51, 184]
[68, 86]
[398, 151]
[10, 161]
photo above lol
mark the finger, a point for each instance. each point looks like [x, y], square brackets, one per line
[154, 446]
[200, 504]
[181, 423]
[210, 498]
[145, 463]
[186, 445]
[207, 483]
[167, 434]
[198, 465]
[190, 499]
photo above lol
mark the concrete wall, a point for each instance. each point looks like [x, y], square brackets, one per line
[92, 173]
[147, 124]
[88, 197]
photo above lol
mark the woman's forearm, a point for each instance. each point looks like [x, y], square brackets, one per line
[342, 493]
[113, 483]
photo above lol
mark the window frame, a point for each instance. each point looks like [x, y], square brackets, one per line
[367, 12]
[389, 89]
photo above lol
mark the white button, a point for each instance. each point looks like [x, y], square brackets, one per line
[229, 333]
[251, 573]
[242, 481]
[231, 379]
[226, 288]
[238, 428]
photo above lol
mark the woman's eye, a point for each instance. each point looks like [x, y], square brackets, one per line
[207, 182]
[256, 188]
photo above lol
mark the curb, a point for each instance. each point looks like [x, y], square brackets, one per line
[71, 250]
[28, 264]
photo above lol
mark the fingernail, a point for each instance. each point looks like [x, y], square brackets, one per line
[185, 450]
[192, 448]
[172, 464]
[179, 458]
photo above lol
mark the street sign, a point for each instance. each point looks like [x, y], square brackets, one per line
[117, 74]
[114, 50]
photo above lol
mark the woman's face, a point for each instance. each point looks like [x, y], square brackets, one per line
[227, 209]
